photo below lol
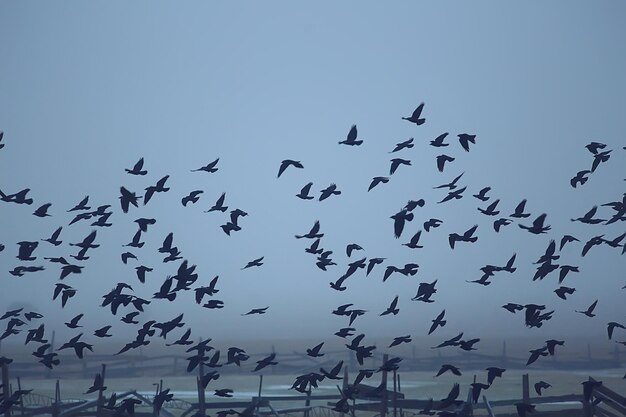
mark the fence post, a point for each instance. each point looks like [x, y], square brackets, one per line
[100, 394]
[525, 389]
[383, 403]
[5, 387]
[19, 387]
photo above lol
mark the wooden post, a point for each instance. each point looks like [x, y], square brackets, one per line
[400, 390]
[57, 399]
[19, 387]
[307, 402]
[383, 403]
[100, 394]
[525, 389]
[258, 403]
[5, 387]
[395, 388]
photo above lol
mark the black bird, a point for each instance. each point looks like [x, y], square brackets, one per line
[518, 213]
[580, 178]
[611, 327]
[393, 308]
[315, 351]
[313, 233]
[54, 239]
[255, 262]
[287, 163]
[593, 147]
[456, 194]
[501, 222]
[476, 388]
[137, 169]
[183, 340]
[466, 237]
[594, 241]
[144, 223]
[412, 204]
[78, 346]
[158, 188]
[141, 272]
[256, 311]
[563, 292]
[415, 117]
[407, 144]
[126, 256]
[512, 307]
[351, 138]
[399, 340]
[589, 311]
[396, 162]
[451, 185]
[447, 367]
[1, 137]
[438, 142]
[552, 343]
[432, 223]
[73, 324]
[345, 332]
[315, 247]
[65, 291]
[376, 181]
[200, 292]
[267, 361]
[493, 372]
[540, 386]
[42, 211]
[210, 168]
[567, 239]
[304, 192]
[328, 191]
[192, 197]
[26, 250]
[438, 322]
[82, 205]
[465, 139]
[372, 262]
[468, 344]
[98, 385]
[170, 325]
[102, 332]
[441, 161]
[17, 198]
[588, 217]
[599, 158]
[482, 194]
[425, 290]
[491, 209]
[130, 318]
[413, 243]
[219, 205]
[398, 221]
[127, 198]
[538, 225]
[565, 269]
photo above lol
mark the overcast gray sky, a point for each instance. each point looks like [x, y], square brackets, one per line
[87, 88]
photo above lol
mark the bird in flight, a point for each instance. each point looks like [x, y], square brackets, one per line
[416, 116]
[407, 144]
[210, 167]
[287, 163]
[256, 311]
[438, 141]
[351, 138]
[304, 192]
[137, 169]
[465, 140]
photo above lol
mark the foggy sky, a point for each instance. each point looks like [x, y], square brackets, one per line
[89, 88]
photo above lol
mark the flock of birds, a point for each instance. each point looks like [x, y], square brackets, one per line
[123, 297]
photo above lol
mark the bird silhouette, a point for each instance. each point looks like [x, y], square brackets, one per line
[448, 368]
[158, 188]
[350, 248]
[589, 311]
[588, 217]
[580, 178]
[518, 213]
[127, 198]
[393, 308]
[407, 144]
[219, 204]
[538, 225]
[563, 292]
[465, 140]
[441, 161]
[438, 322]
[413, 243]
[304, 192]
[468, 236]
[438, 141]
[399, 220]
[376, 181]
[611, 326]
[456, 195]
[351, 138]
[396, 162]
[314, 352]
[491, 209]
[73, 323]
[192, 197]
[541, 385]
[328, 191]
[482, 194]
[54, 239]
[416, 116]
[137, 168]
[256, 311]
[42, 211]
[287, 163]
[211, 167]
[314, 233]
